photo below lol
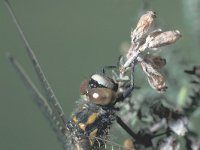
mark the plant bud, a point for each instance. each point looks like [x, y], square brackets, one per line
[156, 61]
[155, 79]
[146, 21]
[128, 144]
[159, 39]
[157, 82]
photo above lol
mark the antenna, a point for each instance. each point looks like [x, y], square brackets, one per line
[53, 102]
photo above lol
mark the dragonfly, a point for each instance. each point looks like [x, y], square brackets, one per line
[88, 128]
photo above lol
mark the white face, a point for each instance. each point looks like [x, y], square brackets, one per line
[102, 80]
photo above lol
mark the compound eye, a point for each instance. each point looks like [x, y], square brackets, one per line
[84, 87]
[101, 96]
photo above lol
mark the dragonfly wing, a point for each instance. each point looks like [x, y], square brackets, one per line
[50, 96]
[40, 100]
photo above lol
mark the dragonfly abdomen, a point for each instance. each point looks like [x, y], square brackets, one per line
[90, 125]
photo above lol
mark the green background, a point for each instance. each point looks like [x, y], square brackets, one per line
[73, 39]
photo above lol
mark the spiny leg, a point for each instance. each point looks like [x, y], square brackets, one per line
[126, 128]
[112, 66]
[121, 97]
[127, 92]
[53, 102]
[39, 99]
[108, 67]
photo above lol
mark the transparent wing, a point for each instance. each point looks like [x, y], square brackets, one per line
[51, 98]
[40, 100]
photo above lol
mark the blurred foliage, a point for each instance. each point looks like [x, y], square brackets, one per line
[73, 39]
[181, 99]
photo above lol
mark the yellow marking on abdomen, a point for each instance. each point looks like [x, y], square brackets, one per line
[93, 134]
[75, 120]
[91, 119]
[82, 126]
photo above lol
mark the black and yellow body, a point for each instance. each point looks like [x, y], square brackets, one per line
[89, 126]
